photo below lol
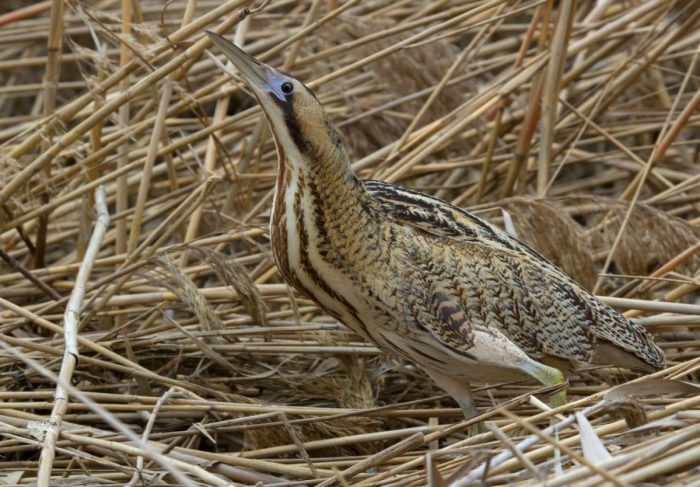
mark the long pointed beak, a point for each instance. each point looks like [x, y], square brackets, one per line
[259, 76]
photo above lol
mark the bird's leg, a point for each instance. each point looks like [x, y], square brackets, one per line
[548, 376]
[462, 393]
[554, 377]
[466, 402]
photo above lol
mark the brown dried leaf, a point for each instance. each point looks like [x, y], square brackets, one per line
[622, 402]
[629, 409]
[651, 387]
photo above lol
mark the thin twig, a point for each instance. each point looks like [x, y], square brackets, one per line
[70, 327]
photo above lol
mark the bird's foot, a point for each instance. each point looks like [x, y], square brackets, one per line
[558, 399]
[549, 376]
[478, 429]
[469, 409]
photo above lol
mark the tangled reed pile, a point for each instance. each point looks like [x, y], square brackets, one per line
[146, 336]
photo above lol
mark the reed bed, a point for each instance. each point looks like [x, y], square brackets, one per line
[147, 338]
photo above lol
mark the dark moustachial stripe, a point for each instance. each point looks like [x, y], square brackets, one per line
[333, 136]
[290, 120]
[278, 225]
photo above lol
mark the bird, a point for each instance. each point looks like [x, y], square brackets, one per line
[423, 279]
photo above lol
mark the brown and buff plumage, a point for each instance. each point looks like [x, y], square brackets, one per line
[422, 279]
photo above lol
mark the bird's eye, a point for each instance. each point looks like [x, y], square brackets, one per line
[287, 87]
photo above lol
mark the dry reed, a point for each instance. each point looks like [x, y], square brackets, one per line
[187, 361]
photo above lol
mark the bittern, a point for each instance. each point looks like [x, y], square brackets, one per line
[419, 277]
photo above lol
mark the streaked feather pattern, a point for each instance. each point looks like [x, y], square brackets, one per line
[421, 278]
[536, 304]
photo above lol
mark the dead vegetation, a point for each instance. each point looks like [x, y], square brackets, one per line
[198, 366]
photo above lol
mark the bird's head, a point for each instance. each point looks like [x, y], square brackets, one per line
[298, 120]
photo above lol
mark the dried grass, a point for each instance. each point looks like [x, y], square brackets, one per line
[573, 232]
[187, 337]
[393, 78]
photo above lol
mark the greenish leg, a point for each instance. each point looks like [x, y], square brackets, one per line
[554, 378]
[558, 399]
[462, 393]
[548, 376]
[469, 410]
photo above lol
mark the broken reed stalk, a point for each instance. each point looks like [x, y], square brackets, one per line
[124, 115]
[70, 334]
[138, 471]
[550, 93]
[156, 137]
[638, 182]
[169, 464]
[53, 71]
[140, 88]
